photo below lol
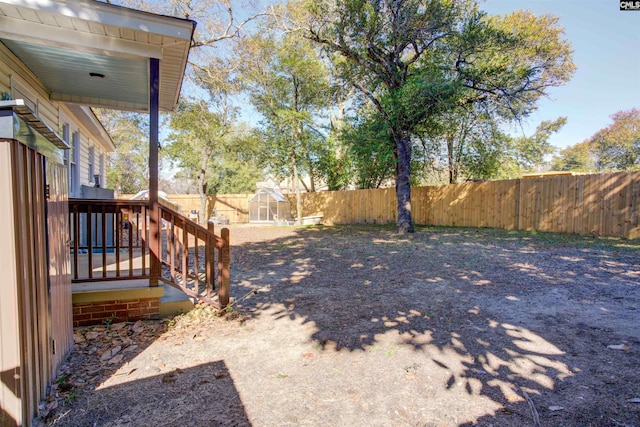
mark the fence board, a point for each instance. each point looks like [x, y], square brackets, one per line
[634, 207]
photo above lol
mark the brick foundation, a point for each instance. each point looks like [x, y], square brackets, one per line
[95, 312]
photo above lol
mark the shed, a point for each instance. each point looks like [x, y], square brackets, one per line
[269, 205]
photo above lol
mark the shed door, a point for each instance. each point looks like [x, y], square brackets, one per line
[59, 264]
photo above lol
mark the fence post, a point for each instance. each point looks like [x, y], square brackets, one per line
[210, 254]
[224, 258]
[517, 207]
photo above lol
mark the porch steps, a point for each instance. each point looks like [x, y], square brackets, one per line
[174, 301]
[95, 302]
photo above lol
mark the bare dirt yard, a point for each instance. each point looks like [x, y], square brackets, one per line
[360, 326]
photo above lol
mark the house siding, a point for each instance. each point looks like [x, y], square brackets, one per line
[16, 77]
[84, 160]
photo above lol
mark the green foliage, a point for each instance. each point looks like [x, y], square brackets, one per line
[234, 176]
[467, 141]
[108, 322]
[527, 154]
[197, 135]
[614, 148]
[335, 165]
[128, 167]
[212, 150]
[288, 85]
[369, 149]
[574, 158]
[617, 147]
[509, 61]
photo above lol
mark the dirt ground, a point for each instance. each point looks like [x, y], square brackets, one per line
[359, 326]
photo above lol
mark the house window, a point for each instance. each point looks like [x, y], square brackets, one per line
[91, 163]
[64, 132]
[102, 171]
[74, 157]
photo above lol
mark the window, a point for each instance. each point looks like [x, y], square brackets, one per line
[74, 157]
[91, 164]
[102, 171]
[64, 133]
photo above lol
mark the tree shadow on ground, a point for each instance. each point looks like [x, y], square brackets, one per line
[201, 395]
[116, 375]
[508, 316]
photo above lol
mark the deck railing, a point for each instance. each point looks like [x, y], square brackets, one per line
[192, 257]
[110, 241]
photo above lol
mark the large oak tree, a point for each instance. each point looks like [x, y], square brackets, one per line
[416, 59]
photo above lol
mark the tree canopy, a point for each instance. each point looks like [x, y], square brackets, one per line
[614, 148]
[617, 147]
[127, 170]
[212, 148]
[417, 59]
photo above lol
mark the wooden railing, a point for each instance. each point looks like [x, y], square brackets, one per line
[109, 241]
[193, 256]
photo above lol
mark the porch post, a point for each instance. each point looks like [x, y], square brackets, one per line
[154, 220]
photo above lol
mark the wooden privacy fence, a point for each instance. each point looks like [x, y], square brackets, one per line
[598, 204]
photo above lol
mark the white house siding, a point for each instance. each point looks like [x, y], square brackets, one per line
[84, 160]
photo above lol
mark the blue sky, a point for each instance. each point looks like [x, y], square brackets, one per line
[606, 44]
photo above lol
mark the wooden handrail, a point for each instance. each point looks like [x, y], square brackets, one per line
[190, 223]
[176, 260]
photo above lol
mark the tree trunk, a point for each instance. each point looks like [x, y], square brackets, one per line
[402, 153]
[202, 215]
[296, 184]
[202, 190]
[453, 176]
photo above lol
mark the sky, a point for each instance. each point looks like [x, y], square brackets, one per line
[606, 44]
